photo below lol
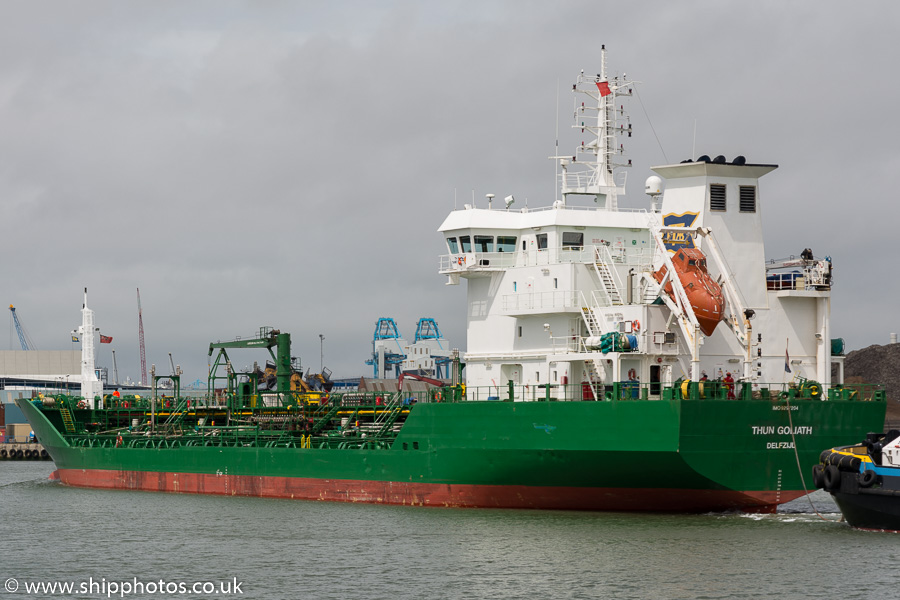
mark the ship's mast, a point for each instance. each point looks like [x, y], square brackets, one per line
[91, 386]
[591, 172]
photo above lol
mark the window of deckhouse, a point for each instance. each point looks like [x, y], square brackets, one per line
[506, 243]
[484, 243]
[572, 240]
[454, 247]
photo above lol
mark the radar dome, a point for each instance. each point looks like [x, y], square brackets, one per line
[653, 186]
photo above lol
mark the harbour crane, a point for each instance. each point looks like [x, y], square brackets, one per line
[141, 338]
[24, 338]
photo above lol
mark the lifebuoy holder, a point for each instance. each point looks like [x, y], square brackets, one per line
[632, 374]
[635, 325]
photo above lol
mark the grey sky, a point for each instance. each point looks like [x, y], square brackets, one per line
[288, 163]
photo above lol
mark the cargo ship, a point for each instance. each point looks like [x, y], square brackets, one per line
[617, 359]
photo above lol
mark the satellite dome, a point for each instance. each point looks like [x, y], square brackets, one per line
[719, 160]
[653, 186]
[739, 160]
[704, 158]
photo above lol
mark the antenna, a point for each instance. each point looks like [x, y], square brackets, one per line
[694, 143]
[556, 153]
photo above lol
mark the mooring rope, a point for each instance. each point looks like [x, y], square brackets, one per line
[800, 468]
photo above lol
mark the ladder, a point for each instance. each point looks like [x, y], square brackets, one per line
[608, 278]
[607, 283]
[67, 420]
[321, 423]
[593, 376]
[389, 421]
[590, 321]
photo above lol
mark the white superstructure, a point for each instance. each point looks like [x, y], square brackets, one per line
[91, 386]
[547, 286]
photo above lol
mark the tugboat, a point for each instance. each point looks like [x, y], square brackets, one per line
[864, 480]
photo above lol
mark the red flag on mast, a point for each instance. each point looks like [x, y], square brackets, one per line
[603, 86]
[105, 339]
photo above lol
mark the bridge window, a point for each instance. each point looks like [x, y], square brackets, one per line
[542, 241]
[506, 243]
[454, 247]
[466, 243]
[748, 198]
[717, 196]
[484, 243]
[572, 240]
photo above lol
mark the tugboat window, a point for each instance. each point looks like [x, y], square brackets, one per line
[506, 243]
[717, 196]
[572, 240]
[542, 241]
[466, 243]
[484, 243]
[454, 247]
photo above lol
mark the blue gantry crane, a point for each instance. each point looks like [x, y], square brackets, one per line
[24, 338]
[387, 348]
[427, 329]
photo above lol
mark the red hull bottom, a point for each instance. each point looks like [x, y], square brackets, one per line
[431, 494]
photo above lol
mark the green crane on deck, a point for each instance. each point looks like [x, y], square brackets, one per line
[268, 338]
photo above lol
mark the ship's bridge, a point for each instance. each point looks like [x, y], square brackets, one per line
[483, 241]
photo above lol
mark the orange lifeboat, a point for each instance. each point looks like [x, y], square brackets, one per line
[704, 294]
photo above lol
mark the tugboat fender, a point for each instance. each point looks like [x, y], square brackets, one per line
[867, 478]
[832, 478]
[818, 476]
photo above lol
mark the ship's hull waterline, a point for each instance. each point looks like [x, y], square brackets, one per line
[664, 455]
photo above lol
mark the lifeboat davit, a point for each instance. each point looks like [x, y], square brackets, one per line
[704, 294]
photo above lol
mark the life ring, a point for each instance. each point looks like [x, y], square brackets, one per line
[82, 404]
[832, 478]
[437, 397]
[632, 374]
[867, 478]
[636, 325]
[118, 440]
[125, 404]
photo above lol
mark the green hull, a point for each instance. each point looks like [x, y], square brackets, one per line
[666, 455]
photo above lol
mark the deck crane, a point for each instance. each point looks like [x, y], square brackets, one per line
[24, 338]
[141, 338]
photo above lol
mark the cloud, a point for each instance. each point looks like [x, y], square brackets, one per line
[287, 164]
